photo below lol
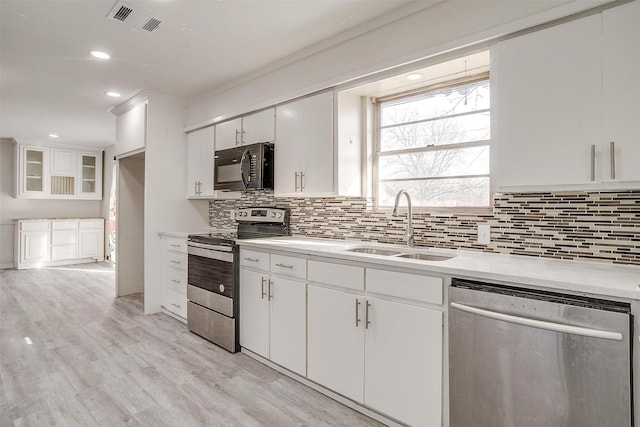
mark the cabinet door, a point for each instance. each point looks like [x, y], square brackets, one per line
[131, 130]
[621, 92]
[254, 312]
[200, 163]
[91, 238]
[228, 134]
[259, 127]
[288, 324]
[403, 362]
[548, 105]
[63, 162]
[304, 145]
[33, 172]
[35, 246]
[336, 341]
[90, 175]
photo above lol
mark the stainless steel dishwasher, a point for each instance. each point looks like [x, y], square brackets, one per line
[523, 358]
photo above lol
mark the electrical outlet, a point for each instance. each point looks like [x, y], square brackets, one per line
[484, 234]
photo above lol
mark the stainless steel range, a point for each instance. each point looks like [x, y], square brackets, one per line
[212, 285]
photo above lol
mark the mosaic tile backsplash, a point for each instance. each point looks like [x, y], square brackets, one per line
[590, 226]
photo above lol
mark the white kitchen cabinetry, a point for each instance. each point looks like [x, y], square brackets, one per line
[64, 240]
[248, 129]
[91, 238]
[562, 95]
[200, 163]
[89, 175]
[131, 129]
[273, 308]
[174, 276]
[45, 242]
[304, 150]
[621, 92]
[54, 172]
[32, 171]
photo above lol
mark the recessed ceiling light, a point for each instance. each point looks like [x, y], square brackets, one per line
[53, 135]
[100, 55]
[112, 94]
[414, 76]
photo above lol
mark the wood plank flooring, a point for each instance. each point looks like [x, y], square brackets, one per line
[72, 355]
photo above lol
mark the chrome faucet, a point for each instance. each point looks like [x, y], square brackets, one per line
[408, 235]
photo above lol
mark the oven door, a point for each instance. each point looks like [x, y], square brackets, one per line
[211, 270]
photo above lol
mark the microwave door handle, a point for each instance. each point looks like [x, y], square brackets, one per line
[245, 155]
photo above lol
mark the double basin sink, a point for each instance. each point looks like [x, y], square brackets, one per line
[400, 254]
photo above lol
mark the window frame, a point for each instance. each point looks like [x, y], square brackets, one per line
[377, 116]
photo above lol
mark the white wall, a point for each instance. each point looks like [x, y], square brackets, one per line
[12, 208]
[166, 207]
[442, 27]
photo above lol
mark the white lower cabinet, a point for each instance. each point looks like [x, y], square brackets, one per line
[56, 242]
[336, 341]
[374, 336]
[403, 362]
[174, 276]
[273, 310]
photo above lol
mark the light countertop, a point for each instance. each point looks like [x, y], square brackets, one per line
[602, 279]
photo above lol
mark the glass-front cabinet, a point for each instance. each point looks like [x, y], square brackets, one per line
[52, 172]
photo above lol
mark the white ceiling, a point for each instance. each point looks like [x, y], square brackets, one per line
[50, 84]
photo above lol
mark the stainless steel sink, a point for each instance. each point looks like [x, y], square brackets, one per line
[374, 251]
[426, 257]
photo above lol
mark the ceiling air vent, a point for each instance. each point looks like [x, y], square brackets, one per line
[134, 16]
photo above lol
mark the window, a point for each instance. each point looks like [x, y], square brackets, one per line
[435, 145]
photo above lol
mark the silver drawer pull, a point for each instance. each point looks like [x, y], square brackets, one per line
[175, 281]
[175, 246]
[251, 259]
[612, 155]
[175, 305]
[176, 262]
[284, 265]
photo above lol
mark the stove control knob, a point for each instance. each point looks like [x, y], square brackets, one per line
[221, 287]
[279, 215]
[273, 214]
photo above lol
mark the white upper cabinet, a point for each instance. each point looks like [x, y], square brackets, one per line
[304, 150]
[621, 93]
[259, 127]
[249, 129]
[57, 172]
[228, 134]
[131, 130]
[200, 163]
[548, 105]
[566, 98]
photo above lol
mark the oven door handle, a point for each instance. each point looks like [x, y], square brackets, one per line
[212, 254]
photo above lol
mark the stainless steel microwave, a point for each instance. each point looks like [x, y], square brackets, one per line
[249, 167]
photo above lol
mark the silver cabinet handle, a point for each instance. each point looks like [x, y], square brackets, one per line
[176, 262]
[296, 181]
[262, 288]
[173, 245]
[242, 141]
[302, 181]
[540, 324]
[593, 163]
[175, 305]
[175, 281]
[612, 155]
[270, 296]
[237, 133]
[366, 316]
[284, 265]
[195, 187]
[251, 259]
[357, 310]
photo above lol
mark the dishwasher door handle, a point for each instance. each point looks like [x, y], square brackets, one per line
[541, 324]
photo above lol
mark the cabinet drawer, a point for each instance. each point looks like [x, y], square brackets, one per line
[177, 260]
[64, 252]
[403, 285]
[177, 245]
[346, 276]
[254, 259]
[64, 225]
[177, 280]
[34, 226]
[63, 237]
[289, 266]
[175, 303]
[91, 224]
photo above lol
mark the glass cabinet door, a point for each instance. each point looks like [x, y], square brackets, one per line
[33, 170]
[90, 181]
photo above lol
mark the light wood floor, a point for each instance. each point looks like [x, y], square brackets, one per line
[96, 361]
